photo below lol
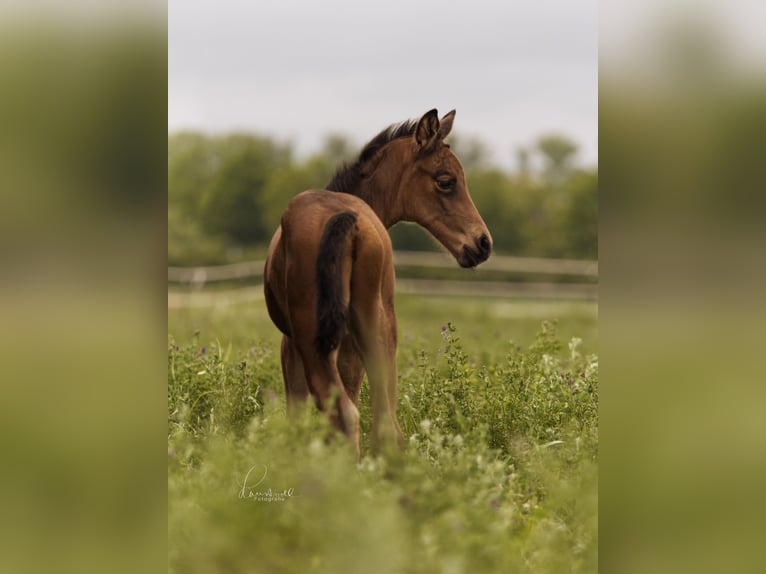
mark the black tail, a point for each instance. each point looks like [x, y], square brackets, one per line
[332, 313]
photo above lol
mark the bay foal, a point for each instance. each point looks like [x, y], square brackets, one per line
[329, 276]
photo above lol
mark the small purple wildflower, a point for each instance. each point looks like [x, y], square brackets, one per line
[570, 382]
[203, 350]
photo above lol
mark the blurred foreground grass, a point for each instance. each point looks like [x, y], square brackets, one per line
[499, 471]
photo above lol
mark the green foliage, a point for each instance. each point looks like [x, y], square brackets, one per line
[188, 245]
[498, 473]
[409, 236]
[581, 215]
[531, 394]
[232, 204]
[503, 205]
[207, 392]
[191, 166]
[281, 187]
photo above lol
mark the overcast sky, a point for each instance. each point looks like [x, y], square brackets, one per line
[300, 69]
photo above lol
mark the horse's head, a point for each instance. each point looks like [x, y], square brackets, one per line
[434, 193]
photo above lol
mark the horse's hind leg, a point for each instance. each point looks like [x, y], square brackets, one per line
[330, 395]
[296, 388]
[377, 334]
[351, 368]
[323, 378]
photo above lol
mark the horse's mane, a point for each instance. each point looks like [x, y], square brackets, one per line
[348, 177]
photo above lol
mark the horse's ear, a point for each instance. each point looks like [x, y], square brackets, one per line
[446, 124]
[427, 130]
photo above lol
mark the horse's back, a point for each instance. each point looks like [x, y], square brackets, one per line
[313, 208]
[307, 215]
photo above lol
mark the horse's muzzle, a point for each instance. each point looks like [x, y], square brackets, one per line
[472, 256]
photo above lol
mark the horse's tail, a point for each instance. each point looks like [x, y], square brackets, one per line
[332, 311]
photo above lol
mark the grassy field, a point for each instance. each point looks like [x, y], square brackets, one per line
[498, 401]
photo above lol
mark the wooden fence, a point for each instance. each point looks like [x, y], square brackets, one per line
[251, 269]
[584, 288]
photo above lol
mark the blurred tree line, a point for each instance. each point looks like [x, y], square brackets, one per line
[226, 195]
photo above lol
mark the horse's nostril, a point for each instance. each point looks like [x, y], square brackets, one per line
[484, 243]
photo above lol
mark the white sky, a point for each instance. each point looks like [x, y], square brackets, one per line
[298, 70]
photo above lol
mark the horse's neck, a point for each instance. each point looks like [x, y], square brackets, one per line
[381, 192]
[379, 199]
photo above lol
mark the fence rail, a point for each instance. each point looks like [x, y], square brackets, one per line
[202, 275]
[586, 289]
[178, 299]
[251, 269]
[503, 263]
[503, 289]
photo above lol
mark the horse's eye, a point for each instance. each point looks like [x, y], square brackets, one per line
[446, 184]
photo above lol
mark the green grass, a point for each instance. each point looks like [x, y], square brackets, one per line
[499, 472]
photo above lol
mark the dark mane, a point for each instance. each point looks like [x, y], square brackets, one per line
[347, 178]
